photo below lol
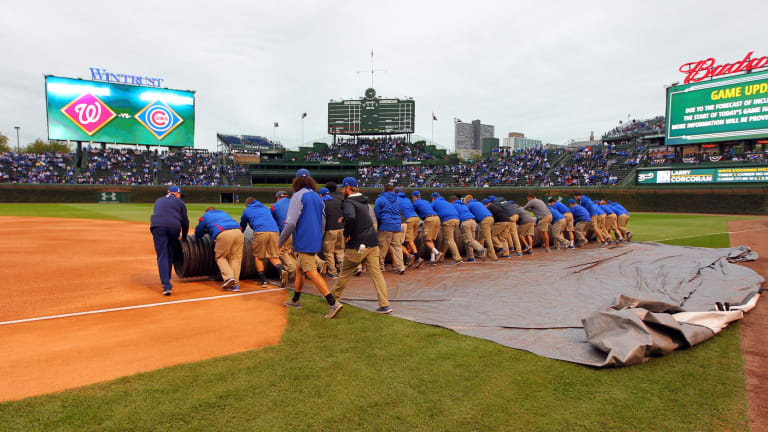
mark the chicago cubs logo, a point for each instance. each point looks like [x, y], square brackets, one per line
[159, 119]
[89, 113]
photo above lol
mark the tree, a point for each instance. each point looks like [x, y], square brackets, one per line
[40, 146]
[4, 144]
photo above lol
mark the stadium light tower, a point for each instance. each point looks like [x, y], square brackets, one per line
[17, 137]
[372, 70]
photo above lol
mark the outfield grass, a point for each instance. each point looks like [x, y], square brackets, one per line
[363, 371]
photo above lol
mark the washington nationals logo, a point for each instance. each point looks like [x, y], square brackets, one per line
[89, 113]
[159, 119]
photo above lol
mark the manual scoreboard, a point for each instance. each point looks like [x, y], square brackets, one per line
[371, 115]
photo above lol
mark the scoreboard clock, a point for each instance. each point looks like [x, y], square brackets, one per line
[371, 115]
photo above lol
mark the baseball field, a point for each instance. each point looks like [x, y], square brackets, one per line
[362, 371]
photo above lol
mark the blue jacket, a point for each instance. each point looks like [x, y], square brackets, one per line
[214, 222]
[306, 221]
[478, 210]
[280, 212]
[599, 210]
[387, 212]
[561, 208]
[258, 217]
[462, 210]
[619, 209]
[423, 208]
[444, 209]
[588, 205]
[580, 214]
[556, 215]
[170, 212]
[606, 208]
[406, 207]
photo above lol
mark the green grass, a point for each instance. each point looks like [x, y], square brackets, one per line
[365, 372]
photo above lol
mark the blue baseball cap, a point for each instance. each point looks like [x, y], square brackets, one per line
[492, 198]
[435, 194]
[323, 191]
[486, 201]
[609, 201]
[176, 189]
[303, 172]
[281, 194]
[349, 181]
[571, 201]
[416, 193]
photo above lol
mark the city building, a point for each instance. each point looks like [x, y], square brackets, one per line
[468, 138]
[517, 141]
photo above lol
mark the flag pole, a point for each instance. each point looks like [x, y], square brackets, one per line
[433, 127]
[302, 130]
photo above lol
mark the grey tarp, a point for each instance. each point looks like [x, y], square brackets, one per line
[539, 303]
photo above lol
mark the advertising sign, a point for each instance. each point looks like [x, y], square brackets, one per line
[703, 175]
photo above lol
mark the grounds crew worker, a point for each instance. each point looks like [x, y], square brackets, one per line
[484, 218]
[333, 238]
[228, 240]
[582, 219]
[449, 221]
[622, 219]
[169, 219]
[543, 218]
[557, 205]
[468, 226]
[611, 219]
[412, 225]
[558, 226]
[279, 213]
[265, 234]
[361, 244]
[500, 229]
[430, 228]
[585, 202]
[306, 216]
[387, 212]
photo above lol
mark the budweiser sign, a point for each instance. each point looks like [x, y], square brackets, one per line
[700, 70]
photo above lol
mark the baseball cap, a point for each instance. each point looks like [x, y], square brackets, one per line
[435, 194]
[486, 201]
[281, 194]
[551, 199]
[416, 193]
[571, 201]
[323, 191]
[398, 189]
[176, 189]
[491, 198]
[303, 172]
[349, 181]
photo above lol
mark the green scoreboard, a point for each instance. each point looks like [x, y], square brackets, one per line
[726, 109]
[371, 115]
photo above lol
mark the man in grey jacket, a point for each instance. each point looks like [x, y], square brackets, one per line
[543, 218]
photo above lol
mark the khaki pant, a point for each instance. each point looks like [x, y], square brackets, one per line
[622, 224]
[264, 244]
[390, 240]
[594, 223]
[512, 237]
[611, 224]
[543, 224]
[369, 258]
[286, 255]
[602, 222]
[333, 249]
[468, 228]
[526, 229]
[486, 238]
[448, 228]
[228, 250]
[557, 234]
[431, 227]
[500, 235]
[580, 232]
[412, 224]
[568, 221]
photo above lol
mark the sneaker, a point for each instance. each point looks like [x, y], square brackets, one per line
[419, 262]
[517, 254]
[547, 251]
[236, 288]
[292, 304]
[401, 272]
[357, 272]
[459, 262]
[167, 292]
[283, 278]
[505, 256]
[411, 260]
[603, 244]
[331, 276]
[629, 236]
[384, 310]
[528, 251]
[438, 255]
[469, 260]
[333, 310]
[571, 247]
[483, 254]
[228, 284]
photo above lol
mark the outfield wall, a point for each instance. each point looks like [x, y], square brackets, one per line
[725, 200]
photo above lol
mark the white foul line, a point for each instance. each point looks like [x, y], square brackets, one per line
[136, 307]
[707, 235]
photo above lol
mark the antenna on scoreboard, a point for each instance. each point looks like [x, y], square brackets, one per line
[372, 71]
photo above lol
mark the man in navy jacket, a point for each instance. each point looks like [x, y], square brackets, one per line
[169, 219]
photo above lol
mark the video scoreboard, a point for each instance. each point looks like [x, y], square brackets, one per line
[371, 115]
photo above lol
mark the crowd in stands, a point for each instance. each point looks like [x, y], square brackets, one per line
[638, 127]
[371, 148]
[117, 166]
[592, 166]
[36, 168]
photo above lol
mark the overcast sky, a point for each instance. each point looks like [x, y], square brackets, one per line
[552, 70]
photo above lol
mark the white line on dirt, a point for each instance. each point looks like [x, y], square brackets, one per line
[43, 318]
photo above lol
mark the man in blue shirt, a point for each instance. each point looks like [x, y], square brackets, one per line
[228, 240]
[412, 224]
[558, 225]
[430, 227]
[449, 221]
[265, 235]
[587, 204]
[557, 205]
[306, 216]
[582, 219]
[611, 219]
[279, 212]
[168, 221]
[468, 227]
[621, 219]
[387, 212]
[484, 218]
